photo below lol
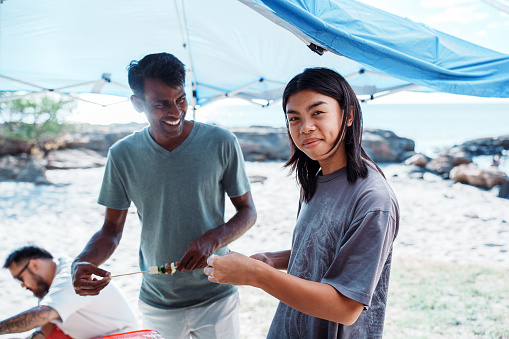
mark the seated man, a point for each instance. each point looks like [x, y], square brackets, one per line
[62, 313]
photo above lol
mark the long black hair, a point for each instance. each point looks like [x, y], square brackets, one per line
[328, 82]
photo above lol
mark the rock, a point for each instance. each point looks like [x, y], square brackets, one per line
[404, 171]
[473, 175]
[267, 143]
[459, 155]
[416, 175]
[263, 143]
[386, 146]
[88, 148]
[418, 159]
[51, 144]
[486, 146]
[431, 177]
[504, 190]
[32, 171]
[25, 168]
[448, 159]
[13, 147]
[8, 167]
[257, 178]
[32, 168]
[74, 158]
[95, 140]
[471, 215]
[443, 164]
[407, 155]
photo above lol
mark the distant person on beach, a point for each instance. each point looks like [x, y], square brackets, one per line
[495, 162]
[61, 313]
[338, 268]
[177, 173]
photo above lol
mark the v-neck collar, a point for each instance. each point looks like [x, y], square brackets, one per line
[179, 148]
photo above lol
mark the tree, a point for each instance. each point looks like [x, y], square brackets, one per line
[35, 117]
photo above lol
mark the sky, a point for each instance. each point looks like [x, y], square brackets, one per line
[471, 20]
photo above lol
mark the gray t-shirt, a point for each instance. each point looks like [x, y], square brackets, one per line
[343, 237]
[179, 196]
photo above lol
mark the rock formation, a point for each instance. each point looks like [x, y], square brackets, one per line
[473, 175]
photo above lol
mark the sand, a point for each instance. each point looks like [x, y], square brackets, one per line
[440, 220]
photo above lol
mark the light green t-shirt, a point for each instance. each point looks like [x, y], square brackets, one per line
[179, 196]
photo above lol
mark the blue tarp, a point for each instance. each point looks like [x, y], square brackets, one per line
[393, 45]
[232, 51]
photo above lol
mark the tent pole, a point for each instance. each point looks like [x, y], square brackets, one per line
[184, 33]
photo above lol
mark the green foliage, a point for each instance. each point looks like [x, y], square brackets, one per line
[34, 117]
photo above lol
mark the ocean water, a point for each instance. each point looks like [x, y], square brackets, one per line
[434, 126]
[431, 126]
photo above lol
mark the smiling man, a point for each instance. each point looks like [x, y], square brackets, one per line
[61, 313]
[177, 173]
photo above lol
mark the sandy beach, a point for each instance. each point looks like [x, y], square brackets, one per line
[440, 220]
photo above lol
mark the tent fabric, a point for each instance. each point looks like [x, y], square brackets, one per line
[393, 45]
[229, 49]
[501, 5]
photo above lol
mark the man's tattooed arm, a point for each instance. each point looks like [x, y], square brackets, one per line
[25, 321]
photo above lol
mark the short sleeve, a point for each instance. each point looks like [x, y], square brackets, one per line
[359, 261]
[62, 298]
[235, 180]
[113, 193]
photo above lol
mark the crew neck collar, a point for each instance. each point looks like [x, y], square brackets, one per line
[331, 176]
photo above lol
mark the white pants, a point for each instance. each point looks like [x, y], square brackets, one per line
[219, 320]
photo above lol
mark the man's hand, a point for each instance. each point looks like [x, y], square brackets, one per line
[197, 253]
[201, 249]
[278, 260]
[263, 258]
[37, 335]
[99, 248]
[43, 332]
[84, 281]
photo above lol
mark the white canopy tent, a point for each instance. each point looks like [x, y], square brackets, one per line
[229, 49]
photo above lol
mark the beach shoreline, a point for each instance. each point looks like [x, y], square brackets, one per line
[440, 220]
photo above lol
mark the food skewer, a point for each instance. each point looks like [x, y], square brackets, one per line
[163, 269]
[120, 275]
